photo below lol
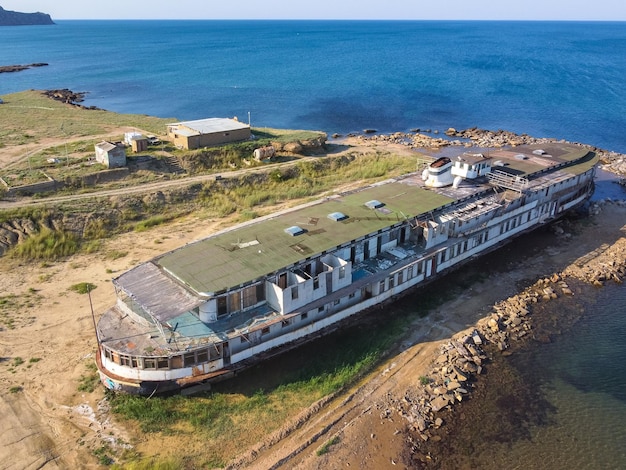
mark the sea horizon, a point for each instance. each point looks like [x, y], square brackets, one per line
[553, 79]
[354, 20]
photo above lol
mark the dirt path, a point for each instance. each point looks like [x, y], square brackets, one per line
[346, 145]
[135, 189]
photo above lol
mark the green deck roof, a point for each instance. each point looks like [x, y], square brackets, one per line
[251, 251]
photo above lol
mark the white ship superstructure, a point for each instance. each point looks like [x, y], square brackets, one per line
[201, 312]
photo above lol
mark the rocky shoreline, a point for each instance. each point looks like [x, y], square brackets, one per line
[482, 138]
[67, 96]
[454, 373]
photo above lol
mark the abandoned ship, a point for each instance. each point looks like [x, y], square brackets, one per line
[206, 310]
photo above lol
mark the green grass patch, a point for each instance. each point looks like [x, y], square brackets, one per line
[151, 222]
[29, 117]
[82, 287]
[115, 254]
[89, 381]
[103, 454]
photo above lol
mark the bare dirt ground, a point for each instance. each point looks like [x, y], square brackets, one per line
[47, 423]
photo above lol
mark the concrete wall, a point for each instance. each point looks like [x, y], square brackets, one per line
[210, 140]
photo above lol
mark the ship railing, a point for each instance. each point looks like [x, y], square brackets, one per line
[505, 180]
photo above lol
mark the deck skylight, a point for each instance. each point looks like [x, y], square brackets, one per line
[294, 230]
[337, 216]
[374, 204]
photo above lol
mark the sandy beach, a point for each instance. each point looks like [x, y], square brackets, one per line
[48, 423]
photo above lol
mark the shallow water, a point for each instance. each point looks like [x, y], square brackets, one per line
[558, 405]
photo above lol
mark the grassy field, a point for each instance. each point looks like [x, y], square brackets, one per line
[30, 117]
[64, 136]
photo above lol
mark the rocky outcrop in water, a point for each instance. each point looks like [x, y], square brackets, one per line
[16, 18]
[19, 68]
[69, 97]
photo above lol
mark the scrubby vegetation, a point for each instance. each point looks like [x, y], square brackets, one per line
[82, 287]
[47, 244]
[81, 226]
[327, 445]
[90, 380]
[16, 310]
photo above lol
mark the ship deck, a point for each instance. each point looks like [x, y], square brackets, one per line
[253, 250]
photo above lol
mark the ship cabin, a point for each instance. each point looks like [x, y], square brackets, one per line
[471, 165]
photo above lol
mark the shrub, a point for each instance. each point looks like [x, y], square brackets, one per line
[47, 244]
[83, 287]
[151, 222]
[88, 382]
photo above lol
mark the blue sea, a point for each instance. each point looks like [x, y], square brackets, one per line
[564, 80]
[548, 79]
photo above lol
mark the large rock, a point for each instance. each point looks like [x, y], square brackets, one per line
[293, 147]
[439, 403]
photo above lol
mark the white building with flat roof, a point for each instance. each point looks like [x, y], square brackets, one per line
[207, 132]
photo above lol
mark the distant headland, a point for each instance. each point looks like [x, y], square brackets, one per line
[15, 18]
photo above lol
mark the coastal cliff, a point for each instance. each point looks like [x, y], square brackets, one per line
[15, 18]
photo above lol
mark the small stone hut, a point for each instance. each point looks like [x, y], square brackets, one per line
[111, 155]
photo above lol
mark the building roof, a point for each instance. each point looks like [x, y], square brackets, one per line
[106, 146]
[472, 158]
[251, 251]
[209, 126]
[171, 299]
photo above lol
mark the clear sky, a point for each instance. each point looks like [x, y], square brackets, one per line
[611, 10]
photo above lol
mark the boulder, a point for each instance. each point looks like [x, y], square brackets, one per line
[439, 403]
[453, 385]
